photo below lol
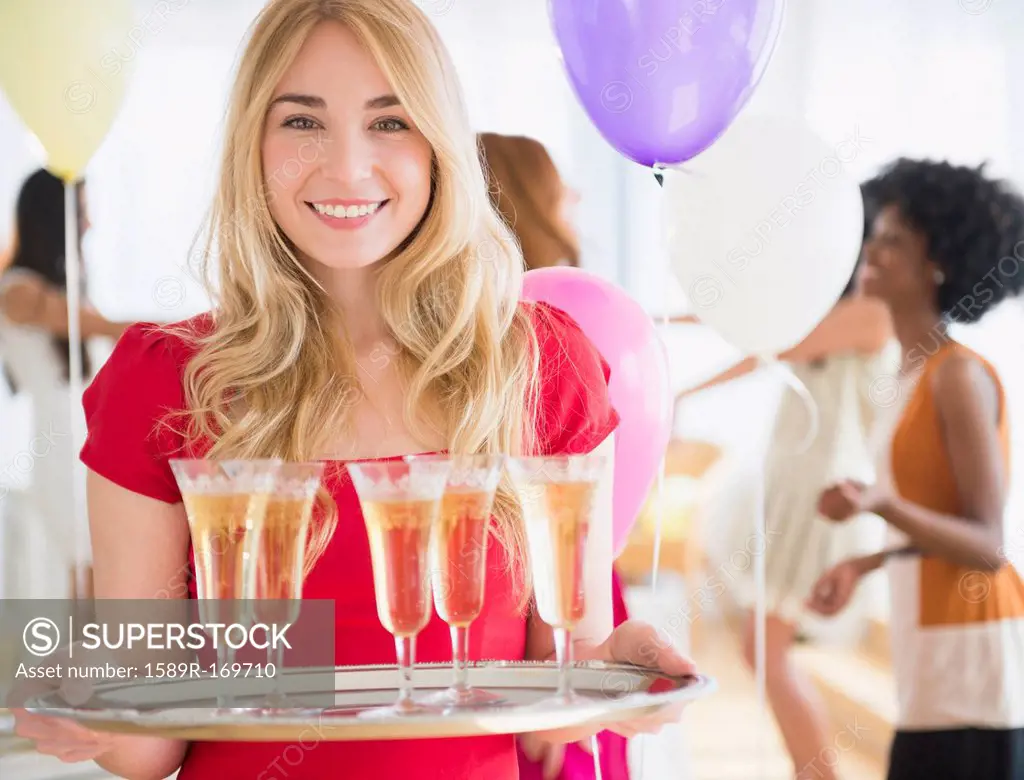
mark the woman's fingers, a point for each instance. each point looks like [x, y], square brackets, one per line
[72, 751]
[567, 735]
[554, 759]
[650, 724]
[532, 746]
[638, 643]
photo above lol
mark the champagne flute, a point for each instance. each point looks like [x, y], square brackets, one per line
[401, 502]
[225, 502]
[281, 556]
[557, 495]
[458, 565]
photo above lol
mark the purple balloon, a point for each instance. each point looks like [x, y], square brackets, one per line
[663, 79]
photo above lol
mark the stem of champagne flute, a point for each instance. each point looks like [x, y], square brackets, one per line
[563, 652]
[275, 689]
[460, 653]
[225, 659]
[405, 647]
[278, 662]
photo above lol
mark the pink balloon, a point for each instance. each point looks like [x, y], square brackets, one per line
[625, 336]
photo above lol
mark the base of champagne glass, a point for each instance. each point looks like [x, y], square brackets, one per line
[230, 709]
[279, 704]
[398, 710]
[463, 698]
[288, 711]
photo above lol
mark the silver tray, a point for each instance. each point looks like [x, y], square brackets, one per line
[605, 693]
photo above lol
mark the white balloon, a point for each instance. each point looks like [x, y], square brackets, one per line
[763, 230]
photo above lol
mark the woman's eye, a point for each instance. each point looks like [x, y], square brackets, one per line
[390, 125]
[300, 123]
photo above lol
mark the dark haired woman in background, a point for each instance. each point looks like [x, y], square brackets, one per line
[837, 363]
[946, 246]
[34, 353]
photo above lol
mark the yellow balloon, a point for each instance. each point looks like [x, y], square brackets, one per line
[64, 67]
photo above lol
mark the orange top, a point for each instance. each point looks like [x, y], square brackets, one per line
[922, 472]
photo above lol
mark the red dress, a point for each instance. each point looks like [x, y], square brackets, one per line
[142, 381]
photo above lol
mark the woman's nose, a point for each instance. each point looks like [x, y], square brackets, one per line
[346, 157]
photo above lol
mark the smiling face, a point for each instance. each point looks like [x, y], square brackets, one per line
[348, 174]
[896, 267]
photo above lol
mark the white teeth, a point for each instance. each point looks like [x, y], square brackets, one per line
[341, 212]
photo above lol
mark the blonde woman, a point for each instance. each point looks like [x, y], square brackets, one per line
[350, 222]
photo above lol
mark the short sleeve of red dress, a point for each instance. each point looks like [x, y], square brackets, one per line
[129, 436]
[576, 412]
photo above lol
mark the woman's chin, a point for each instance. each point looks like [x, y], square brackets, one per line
[870, 288]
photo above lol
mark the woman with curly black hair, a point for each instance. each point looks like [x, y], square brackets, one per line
[947, 245]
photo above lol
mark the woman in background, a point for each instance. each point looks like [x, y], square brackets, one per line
[35, 354]
[946, 246]
[837, 363]
[534, 201]
[527, 190]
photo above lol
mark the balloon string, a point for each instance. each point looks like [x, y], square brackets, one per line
[760, 573]
[595, 748]
[798, 387]
[71, 273]
[659, 490]
[761, 616]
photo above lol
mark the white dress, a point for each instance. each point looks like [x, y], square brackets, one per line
[801, 544]
[50, 536]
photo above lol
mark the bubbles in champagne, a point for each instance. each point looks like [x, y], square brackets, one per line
[399, 535]
[557, 516]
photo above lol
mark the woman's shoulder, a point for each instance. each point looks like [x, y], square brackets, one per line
[575, 409]
[957, 368]
[149, 344]
[559, 337]
[20, 292]
[148, 362]
[132, 404]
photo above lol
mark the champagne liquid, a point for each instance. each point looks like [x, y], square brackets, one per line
[399, 534]
[557, 519]
[281, 553]
[459, 556]
[222, 538]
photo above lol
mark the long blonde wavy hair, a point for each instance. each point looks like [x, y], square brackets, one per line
[272, 377]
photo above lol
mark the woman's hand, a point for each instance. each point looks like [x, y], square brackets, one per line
[57, 736]
[550, 755]
[637, 643]
[846, 499]
[835, 587]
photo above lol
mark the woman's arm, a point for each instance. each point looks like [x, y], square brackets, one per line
[868, 563]
[140, 547]
[969, 412]
[853, 325]
[598, 619]
[857, 324]
[744, 367]
[30, 301]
